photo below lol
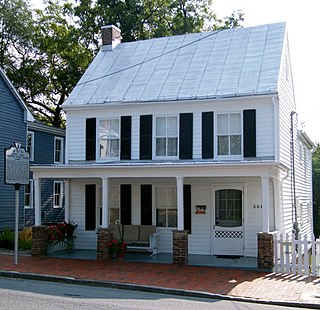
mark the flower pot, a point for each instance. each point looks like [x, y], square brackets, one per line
[50, 247]
[120, 254]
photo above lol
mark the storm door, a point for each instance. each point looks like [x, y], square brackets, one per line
[228, 221]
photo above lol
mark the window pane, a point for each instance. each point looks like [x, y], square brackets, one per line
[235, 145]
[172, 146]
[161, 147]
[114, 197]
[104, 128]
[172, 218]
[166, 197]
[160, 126]
[114, 128]
[103, 148]
[114, 215]
[161, 218]
[223, 145]
[222, 123]
[27, 195]
[172, 126]
[235, 123]
[114, 148]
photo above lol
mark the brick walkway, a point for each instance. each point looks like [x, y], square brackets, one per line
[236, 283]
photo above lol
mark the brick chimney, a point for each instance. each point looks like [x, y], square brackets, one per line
[111, 37]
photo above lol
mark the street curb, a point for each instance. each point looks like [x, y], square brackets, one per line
[151, 289]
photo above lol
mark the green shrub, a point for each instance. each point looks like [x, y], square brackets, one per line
[25, 239]
[24, 243]
[7, 239]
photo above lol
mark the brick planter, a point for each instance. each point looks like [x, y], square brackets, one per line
[104, 236]
[180, 247]
[39, 240]
[265, 251]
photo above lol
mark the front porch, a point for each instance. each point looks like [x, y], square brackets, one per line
[234, 262]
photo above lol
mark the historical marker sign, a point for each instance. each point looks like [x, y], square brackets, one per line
[17, 165]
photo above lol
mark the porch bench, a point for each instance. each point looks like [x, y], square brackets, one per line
[137, 237]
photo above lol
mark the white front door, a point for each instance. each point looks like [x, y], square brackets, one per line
[227, 234]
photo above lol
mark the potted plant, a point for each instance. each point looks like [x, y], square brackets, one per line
[118, 247]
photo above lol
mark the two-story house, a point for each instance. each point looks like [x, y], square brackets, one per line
[45, 145]
[189, 132]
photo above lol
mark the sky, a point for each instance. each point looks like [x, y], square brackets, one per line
[303, 31]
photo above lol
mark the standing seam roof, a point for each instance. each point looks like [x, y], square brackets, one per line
[224, 63]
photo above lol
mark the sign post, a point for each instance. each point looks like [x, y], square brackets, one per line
[16, 173]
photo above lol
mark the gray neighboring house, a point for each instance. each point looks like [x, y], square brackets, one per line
[44, 143]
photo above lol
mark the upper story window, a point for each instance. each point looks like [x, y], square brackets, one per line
[58, 150]
[229, 134]
[109, 138]
[30, 145]
[57, 194]
[166, 136]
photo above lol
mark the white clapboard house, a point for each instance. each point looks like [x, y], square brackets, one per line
[192, 132]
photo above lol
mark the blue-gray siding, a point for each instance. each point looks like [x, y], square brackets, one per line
[13, 129]
[44, 154]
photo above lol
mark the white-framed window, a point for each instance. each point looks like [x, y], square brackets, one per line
[57, 194]
[58, 150]
[166, 136]
[166, 207]
[229, 134]
[28, 195]
[109, 138]
[30, 145]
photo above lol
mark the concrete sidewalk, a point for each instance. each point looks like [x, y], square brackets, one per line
[210, 282]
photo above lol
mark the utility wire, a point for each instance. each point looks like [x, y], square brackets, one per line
[150, 59]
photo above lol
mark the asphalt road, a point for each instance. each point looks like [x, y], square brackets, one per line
[18, 294]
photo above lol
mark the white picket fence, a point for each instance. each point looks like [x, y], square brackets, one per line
[298, 257]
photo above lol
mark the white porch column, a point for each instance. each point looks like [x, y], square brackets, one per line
[67, 200]
[180, 203]
[105, 204]
[265, 203]
[37, 201]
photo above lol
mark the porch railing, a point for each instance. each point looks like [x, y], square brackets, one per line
[298, 257]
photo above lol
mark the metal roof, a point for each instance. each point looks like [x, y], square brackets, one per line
[225, 63]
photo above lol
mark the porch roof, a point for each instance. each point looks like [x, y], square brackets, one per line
[263, 168]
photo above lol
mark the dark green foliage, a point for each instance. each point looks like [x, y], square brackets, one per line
[316, 191]
[7, 239]
[45, 52]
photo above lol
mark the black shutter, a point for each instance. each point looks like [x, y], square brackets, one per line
[185, 136]
[145, 137]
[207, 135]
[90, 207]
[249, 132]
[146, 204]
[90, 139]
[125, 204]
[187, 207]
[125, 137]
